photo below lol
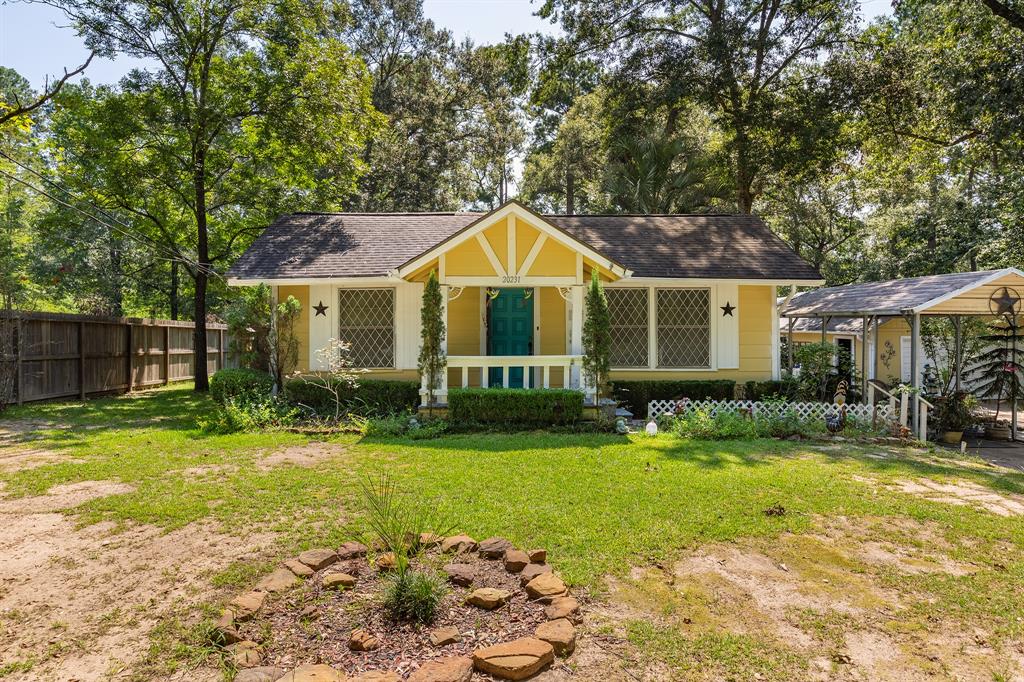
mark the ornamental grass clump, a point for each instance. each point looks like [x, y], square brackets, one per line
[399, 522]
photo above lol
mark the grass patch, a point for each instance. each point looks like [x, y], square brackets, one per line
[599, 503]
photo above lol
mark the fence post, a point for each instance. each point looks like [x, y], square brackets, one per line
[81, 360]
[130, 383]
[19, 329]
[903, 409]
[167, 355]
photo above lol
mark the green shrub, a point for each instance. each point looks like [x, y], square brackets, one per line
[369, 397]
[250, 413]
[405, 425]
[635, 395]
[240, 383]
[413, 596]
[760, 390]
[514, 407]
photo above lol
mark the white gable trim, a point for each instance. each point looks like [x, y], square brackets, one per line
[998, 274]
[506, 212]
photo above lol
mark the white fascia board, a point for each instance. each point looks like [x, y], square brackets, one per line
[696, 281]
[337, 281]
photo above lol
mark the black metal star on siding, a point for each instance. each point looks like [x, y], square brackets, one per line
[320, 309]
[727, 309]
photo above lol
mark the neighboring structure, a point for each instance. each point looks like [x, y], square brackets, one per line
[690, 296]
[893, 309]
[888, 352]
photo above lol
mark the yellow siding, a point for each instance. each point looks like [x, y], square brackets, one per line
[976, 302]
[552, 322]
[554, 260]
[497, 236]
[301, 293]
[888, 350]
[815, 337]
[464, 323]
[469, 260]
[526, 235]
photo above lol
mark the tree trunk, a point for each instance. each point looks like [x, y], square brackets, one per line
[570, 191]
[202, 275]
[744, 175]
[174, 290]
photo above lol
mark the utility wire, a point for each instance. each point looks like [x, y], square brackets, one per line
[173, 258]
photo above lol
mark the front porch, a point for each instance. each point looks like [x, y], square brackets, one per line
[512, 337]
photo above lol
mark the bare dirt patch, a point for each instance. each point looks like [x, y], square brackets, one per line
[826, 599]
[78, 603]
[16, 451]
[307, 455]
[963, 493]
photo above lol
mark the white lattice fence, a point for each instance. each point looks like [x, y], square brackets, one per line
[804, 411]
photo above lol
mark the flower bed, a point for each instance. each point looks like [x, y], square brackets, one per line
[326, 606]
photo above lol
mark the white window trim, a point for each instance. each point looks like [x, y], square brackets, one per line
[394, 322]
[652, 324]
[649, 335]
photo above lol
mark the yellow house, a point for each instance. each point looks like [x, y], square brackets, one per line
[690, 297]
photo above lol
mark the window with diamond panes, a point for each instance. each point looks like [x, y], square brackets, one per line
[367, 321]
[628, 311]
[684, 327]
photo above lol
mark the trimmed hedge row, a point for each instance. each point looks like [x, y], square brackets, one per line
[759, 390]
[636, 394]
[227, 384]
[370, 397]
[514, 407]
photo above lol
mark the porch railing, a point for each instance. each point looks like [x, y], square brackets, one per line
[570, 366]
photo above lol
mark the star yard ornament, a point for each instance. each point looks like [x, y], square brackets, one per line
[727, 309]
[320, 309]
[1006, 301]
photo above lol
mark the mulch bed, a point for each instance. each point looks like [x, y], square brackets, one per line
[312, 623]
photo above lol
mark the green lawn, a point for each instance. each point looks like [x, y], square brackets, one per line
[600, 504]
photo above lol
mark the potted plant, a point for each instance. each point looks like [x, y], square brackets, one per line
[998, 372]
[955, 414]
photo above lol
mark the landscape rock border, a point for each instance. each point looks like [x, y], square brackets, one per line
[516, 659]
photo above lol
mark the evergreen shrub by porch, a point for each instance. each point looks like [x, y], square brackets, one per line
[370, 397]
[759, 390]
[636, 394]
[514, 407]
[240, 382]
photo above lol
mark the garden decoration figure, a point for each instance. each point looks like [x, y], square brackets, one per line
[836, 421]
[652, 427]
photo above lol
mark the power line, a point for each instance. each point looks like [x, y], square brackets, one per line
[173, 258]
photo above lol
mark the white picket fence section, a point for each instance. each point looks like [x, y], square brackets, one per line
[803, 411]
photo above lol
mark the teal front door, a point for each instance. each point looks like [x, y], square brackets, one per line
[510, 332]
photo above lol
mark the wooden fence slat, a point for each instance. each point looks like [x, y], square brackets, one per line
[61, 355]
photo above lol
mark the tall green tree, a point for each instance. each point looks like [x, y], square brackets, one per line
[251, 108]
[657, 175]
[741, 59]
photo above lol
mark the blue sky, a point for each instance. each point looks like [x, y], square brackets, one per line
[36, 42]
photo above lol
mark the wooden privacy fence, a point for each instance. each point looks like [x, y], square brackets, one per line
[56, 355]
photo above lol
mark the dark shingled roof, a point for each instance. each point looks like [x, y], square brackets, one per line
[891, 297]
[308, 245]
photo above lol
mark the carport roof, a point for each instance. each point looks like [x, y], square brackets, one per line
[893, 297]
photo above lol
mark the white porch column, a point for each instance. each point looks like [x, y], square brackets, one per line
[576, 332]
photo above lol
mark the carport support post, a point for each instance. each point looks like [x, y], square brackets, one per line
[915, 370]
[957, 351]
[864, 357]
[789, 346]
